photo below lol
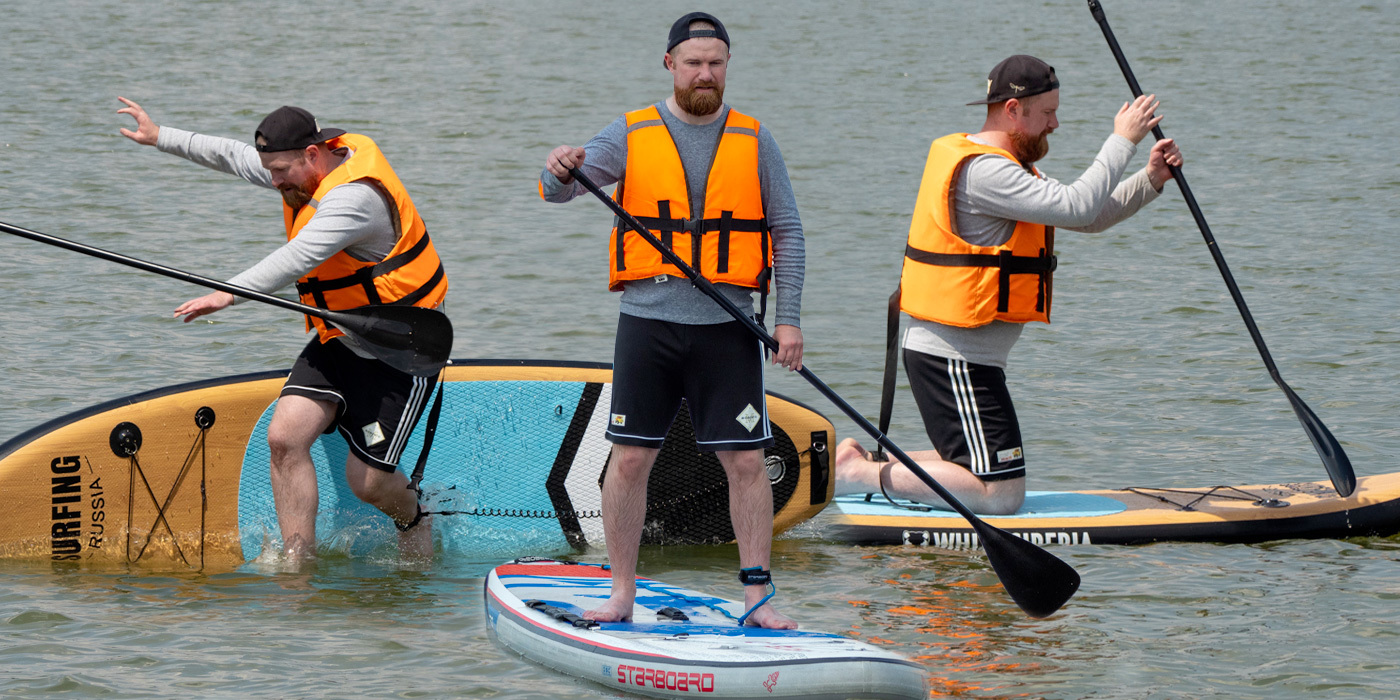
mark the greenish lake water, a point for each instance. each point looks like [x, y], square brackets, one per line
[1147, 377]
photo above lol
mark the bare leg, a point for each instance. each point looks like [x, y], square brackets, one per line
[296, 423]
[751, 511]
[389, 492]
[624, 516]
[856, 474]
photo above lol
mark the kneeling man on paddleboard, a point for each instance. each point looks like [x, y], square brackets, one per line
[712, 185]
[977, 268]
[354, 239]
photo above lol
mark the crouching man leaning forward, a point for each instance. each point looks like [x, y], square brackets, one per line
[354, 238]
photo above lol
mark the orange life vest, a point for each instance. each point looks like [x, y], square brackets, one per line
[950, 281]
[411, 274]
[729, 243]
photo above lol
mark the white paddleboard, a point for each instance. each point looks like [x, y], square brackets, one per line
[680, 643]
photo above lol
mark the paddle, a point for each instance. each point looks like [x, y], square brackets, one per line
[1333, 457]
[408, 338]
[1038, 581]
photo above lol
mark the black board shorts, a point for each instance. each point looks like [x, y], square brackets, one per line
[376, 405]
[968, 414]
[717, 369]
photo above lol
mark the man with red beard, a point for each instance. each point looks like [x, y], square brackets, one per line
[712, 184]
[977, 268]
[354, 238]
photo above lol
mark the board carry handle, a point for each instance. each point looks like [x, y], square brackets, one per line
[1038, 581]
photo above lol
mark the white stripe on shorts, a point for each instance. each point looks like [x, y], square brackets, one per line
[407, 420]
[964, 394]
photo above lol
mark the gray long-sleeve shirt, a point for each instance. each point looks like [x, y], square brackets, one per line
[353, 217]
[676, 299]
[994, 193]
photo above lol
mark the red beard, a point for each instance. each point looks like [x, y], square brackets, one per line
[1029, 149]
[700, 103]
[296, 196]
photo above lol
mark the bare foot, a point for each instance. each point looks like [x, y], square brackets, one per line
[612, 610]
[847, 450]
[297, 554]
[854, 473]
[769, 618]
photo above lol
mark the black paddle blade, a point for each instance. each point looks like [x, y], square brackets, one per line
[1333, 456]
[1037, 580]
[408, 338]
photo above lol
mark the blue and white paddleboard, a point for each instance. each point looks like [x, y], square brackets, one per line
[680, 643]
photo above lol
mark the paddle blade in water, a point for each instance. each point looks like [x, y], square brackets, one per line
[1037, 580]
[1333, 456]
[408, 338]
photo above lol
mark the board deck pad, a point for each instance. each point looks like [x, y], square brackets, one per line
[515, 467]
[1039, 504]
[679, 643]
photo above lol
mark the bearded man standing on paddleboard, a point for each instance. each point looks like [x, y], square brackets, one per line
[712, 184]
[977, 268]
[354, 238]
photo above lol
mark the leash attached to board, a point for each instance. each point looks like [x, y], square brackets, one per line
[415, 482]
[891, 372]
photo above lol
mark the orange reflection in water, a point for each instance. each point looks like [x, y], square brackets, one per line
[956, 620]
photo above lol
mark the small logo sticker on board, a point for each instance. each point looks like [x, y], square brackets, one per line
[619, 419]
[373, 435]
[748, 418]
[772, 681]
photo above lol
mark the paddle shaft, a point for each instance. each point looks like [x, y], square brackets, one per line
[167, 271]
[1333, 457]
[708, 288]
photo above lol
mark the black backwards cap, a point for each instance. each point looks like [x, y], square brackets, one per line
[290, 129]
[1019, 76]
[681, 31]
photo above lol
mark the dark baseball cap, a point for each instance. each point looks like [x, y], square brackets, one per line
[1019, 76]
[290, 129]
[681, 31]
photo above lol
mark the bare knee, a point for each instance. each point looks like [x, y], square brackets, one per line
[743, 466]
[296, 423]
[285, 445]
[373, 486]
[631, 462]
